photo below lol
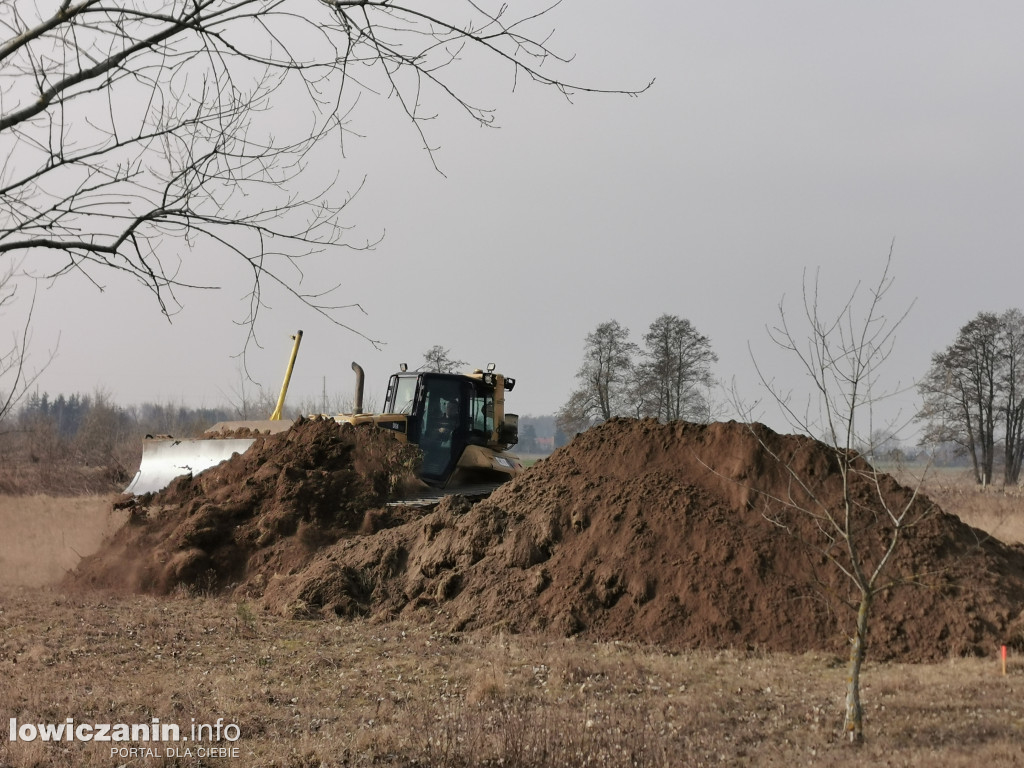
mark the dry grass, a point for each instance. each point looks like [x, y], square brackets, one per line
[995, 509]
[324, 694]
[42, 462]
[42, 537]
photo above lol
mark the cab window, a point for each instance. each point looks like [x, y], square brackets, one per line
[441, 410]
[402, 394]
[481, 412]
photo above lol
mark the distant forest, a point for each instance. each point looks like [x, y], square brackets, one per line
[78, 416]
[96, 423]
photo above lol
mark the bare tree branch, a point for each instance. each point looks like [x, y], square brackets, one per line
[15, 376]
[138, 134]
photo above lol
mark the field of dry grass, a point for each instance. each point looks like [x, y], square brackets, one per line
[42, 537]
[997, 510]
[324, 694]
[314, 693]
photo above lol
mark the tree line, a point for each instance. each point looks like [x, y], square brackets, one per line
[973, 394]
[668, 378]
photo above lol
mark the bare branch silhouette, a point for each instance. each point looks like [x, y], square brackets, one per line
[142, 138]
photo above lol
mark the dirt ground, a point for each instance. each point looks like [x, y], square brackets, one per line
[679, 535]
[356, 694]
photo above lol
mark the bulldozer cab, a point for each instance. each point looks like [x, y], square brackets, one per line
[446, 413]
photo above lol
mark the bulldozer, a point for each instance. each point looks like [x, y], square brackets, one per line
[458, 421]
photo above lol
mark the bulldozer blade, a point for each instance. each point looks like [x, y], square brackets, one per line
[164, 459]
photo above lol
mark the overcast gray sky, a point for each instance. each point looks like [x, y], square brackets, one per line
[777, 137]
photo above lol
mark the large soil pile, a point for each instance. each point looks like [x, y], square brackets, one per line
[270, 509]
[683, 535]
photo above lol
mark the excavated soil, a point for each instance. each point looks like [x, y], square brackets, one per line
[269, 510]
[682, 535]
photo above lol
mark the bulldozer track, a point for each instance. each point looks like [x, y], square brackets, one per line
[433, 498]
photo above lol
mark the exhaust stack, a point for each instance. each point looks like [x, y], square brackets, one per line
[357, 407]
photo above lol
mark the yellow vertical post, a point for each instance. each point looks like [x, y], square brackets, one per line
[276, 415]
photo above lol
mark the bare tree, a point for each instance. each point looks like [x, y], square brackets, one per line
[606, 379]
[675, 370]
[440, 360]
[842, 355]
[576, 414]
[961, 391]
[136, 134]
[1012, 390]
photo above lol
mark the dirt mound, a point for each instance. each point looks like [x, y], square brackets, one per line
[271, 508]
[665, 534]
[681, 534]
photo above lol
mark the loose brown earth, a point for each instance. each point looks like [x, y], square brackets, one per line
[670, 534]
